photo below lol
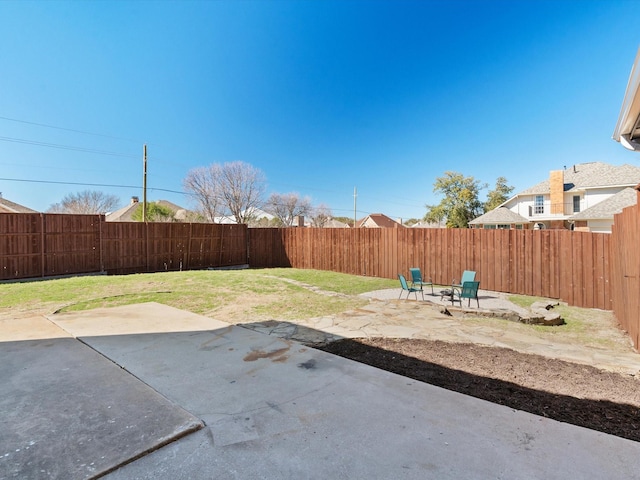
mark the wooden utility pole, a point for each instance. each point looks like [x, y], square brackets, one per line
[144, 183]
[355, 195]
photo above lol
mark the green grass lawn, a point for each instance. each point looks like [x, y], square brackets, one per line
[253, 295]
[280, 293]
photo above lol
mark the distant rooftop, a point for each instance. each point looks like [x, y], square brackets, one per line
[590, 175]
[7, 206]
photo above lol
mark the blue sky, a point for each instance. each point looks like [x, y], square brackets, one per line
[322, 96]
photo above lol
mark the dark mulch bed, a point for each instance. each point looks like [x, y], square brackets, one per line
[568, 392]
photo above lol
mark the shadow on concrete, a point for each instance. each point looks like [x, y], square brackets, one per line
[600, 415]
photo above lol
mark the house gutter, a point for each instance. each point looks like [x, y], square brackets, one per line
[627, 130]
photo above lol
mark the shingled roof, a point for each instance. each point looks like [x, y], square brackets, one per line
[609, 207]
[7, 206]
[499, 216]
[125, 214]
[379, 220]
[590, 175]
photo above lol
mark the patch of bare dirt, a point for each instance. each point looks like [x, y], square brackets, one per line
[568, 392]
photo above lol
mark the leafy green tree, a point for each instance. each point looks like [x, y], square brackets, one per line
[498, 195]
[155, 213]
[461, 202]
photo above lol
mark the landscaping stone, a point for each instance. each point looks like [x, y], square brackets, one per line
[538, 316]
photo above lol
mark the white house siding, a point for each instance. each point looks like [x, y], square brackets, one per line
[600, 226]
[522, 205]
[594, 196]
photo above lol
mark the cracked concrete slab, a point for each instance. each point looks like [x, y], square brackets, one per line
[68, 412]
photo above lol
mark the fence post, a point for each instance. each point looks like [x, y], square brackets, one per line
[42, 240]
[101, 219]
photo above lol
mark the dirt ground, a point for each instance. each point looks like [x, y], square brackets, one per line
[568, 392]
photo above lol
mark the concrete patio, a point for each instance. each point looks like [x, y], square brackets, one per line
[151, 392]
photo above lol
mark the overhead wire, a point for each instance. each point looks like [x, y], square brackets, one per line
[87, 184]
[115, 154]
[66, 129]
[65, 147]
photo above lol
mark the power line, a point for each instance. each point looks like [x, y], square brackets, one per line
[124, 155]
[107, 185]
[65, 147]
[90, 185]
[66, 129]
[114, 137]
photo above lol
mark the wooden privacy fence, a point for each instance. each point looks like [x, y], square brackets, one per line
[583, 269]
[625, 270]
[41, 245]
[133, 247]
[572, 266]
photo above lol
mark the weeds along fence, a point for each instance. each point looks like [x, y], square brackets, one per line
[42, 245]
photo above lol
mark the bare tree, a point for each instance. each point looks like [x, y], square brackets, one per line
[234, 188]
[287, 206]
[87, 202]
[204, 184]
[321, 215]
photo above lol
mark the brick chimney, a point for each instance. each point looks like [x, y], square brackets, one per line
[556, 182]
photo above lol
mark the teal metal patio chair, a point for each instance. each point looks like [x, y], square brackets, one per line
[416, 279]
[469, 290]
[406, 288]
[467, 276]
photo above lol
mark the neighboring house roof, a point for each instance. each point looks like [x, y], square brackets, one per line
[590, 175]
[499, 216]
[378, 220]
[609, 207]
[225, 220]
[7, 206]
[423, 224]
[258, 214]
[333, 223]
[125, 214]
